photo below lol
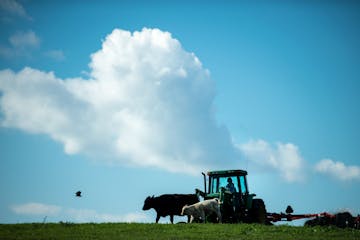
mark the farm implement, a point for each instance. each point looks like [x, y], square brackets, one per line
[342, 219]
[237, 204]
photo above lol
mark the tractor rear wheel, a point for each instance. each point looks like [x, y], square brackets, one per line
[258, 211]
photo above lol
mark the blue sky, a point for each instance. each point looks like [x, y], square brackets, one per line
[125, 99]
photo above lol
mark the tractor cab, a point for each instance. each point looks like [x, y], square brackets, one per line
[230, 187]
[233, 181]
[219, 187]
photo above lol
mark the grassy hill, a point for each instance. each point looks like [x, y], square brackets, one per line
[110, 231]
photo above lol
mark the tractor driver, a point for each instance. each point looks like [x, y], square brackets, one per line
[230, 186]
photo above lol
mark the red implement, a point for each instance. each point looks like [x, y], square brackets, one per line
[275, 217]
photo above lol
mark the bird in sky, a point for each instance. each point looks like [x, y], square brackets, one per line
[78, 194]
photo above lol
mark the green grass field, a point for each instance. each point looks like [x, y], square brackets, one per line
[69, 231]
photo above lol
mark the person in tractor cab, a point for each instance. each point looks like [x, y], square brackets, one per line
[230, 186]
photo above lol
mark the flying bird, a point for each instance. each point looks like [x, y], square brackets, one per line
[78, 194]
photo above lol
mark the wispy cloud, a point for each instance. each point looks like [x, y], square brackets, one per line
[36, 209]
[25, 44]
[338, 170]
[75, 215]
[21, 44]
[57, 55]
[88, 215]
[12, 8]
[284, 158]
[27, 39]
[6, 52]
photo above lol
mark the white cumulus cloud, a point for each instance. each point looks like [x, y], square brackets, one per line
[338, 170]
[285, 158]
[36, 209]
[147, 102]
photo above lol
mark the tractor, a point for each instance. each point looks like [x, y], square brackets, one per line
[236, 203]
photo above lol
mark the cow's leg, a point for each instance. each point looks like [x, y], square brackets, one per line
[157, 218]
[188, 218]
[219, 215]
[191, 218]
[172, 218]
[203, 217]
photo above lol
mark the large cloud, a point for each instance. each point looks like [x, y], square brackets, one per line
[147, 102]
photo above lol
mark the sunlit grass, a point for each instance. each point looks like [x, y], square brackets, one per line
[110, 231]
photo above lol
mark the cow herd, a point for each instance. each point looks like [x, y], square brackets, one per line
[183, 205]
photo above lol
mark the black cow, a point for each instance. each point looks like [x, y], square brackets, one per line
[169, 204]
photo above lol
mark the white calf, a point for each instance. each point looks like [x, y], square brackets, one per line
[202, 209]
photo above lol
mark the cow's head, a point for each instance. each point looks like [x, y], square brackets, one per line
[148, 203]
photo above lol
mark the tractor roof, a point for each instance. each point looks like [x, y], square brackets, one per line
[227, 173]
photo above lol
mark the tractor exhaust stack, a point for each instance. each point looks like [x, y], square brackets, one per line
[204, 181]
